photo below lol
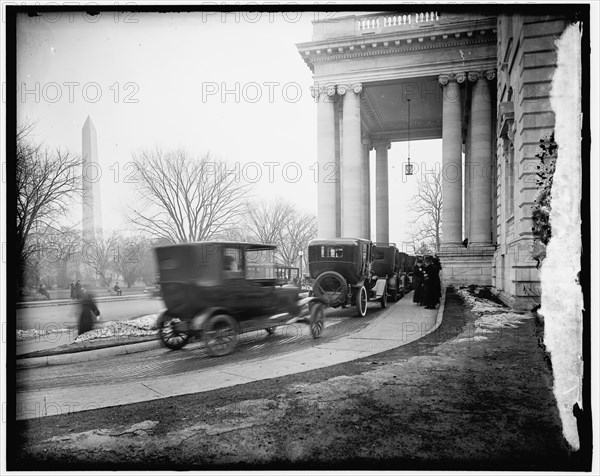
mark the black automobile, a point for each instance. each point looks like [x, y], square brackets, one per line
[387, 263]
[343, 275]
[217, 290]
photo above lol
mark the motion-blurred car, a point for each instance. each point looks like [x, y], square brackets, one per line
[216, 290]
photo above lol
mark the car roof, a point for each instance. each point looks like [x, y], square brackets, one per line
[338, 241]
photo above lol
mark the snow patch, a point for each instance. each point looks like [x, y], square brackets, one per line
[142, 326]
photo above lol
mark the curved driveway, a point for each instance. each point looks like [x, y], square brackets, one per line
[163, 373]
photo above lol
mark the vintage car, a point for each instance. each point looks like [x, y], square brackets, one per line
[342, 273]
[216, 290]
[287, 275]
[387, 262]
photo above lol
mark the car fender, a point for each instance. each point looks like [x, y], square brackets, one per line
[200, 319]
[308, 300]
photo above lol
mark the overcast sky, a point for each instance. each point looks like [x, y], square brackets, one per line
[232, 84]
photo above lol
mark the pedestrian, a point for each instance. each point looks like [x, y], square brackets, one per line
[43, 291]
[117, 289]
[89, 313]
[418, 282]
[431, 287]
[77, 290]
[73, 290]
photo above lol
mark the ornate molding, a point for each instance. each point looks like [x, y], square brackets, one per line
[310, 55]
[444, 79]
[378, 144]
[489, 74]
[343, 88]
[316, 90]
[473, 76]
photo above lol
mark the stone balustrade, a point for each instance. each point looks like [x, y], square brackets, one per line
[387, 21]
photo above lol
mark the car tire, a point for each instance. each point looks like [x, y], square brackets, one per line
[331, 288]
[220, 335]
[360, 301]
[384, 298]
[316, 322]
[170, 337]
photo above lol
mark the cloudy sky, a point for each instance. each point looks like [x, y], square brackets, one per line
[230, 84]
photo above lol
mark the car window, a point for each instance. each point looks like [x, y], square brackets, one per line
[330, 251]
[260, 264]
[232, 262]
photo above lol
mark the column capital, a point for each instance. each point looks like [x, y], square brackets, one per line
[342, 88]
[366, 140]
[444, 79]
[489, 74]
[316, 90]
[382, 144]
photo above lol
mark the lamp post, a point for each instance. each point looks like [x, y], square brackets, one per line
[408, 168]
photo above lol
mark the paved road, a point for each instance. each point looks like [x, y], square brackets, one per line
[160, 373]
[192, 358]
[64, 316]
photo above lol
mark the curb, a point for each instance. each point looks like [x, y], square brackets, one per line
[67, 302]
[87, 355]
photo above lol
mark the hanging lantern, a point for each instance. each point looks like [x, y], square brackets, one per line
[408, 167]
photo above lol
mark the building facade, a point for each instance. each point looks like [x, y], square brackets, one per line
[478, 81]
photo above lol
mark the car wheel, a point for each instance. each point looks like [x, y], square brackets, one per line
[361, 302]
[170, 336]
[316, 322]
[220, 335]
[331, 288]
[384, 297]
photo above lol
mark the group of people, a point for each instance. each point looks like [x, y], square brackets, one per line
[76, 290]
[426, 282]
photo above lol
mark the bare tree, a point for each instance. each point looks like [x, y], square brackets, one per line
[184, 199]
[282, 224]
[100, 256]
[132, 253]
[426, 207]
[46, 181]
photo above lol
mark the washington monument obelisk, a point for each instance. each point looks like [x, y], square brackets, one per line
[91, 173]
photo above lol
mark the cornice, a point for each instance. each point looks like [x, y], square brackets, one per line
[313, 58]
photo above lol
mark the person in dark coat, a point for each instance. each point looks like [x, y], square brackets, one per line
[418, 282]
[89, 314]
[431, 286]
[77, 290]
[72, 290]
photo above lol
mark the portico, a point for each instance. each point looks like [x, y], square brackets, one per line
[366, 69]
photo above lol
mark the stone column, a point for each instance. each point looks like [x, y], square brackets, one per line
[326, 189]
[382, 192]
[467, 184]
[481, 159]
[451, 159]
[353, 199]
[366, 185]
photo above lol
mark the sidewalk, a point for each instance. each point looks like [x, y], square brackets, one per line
[403, 322]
